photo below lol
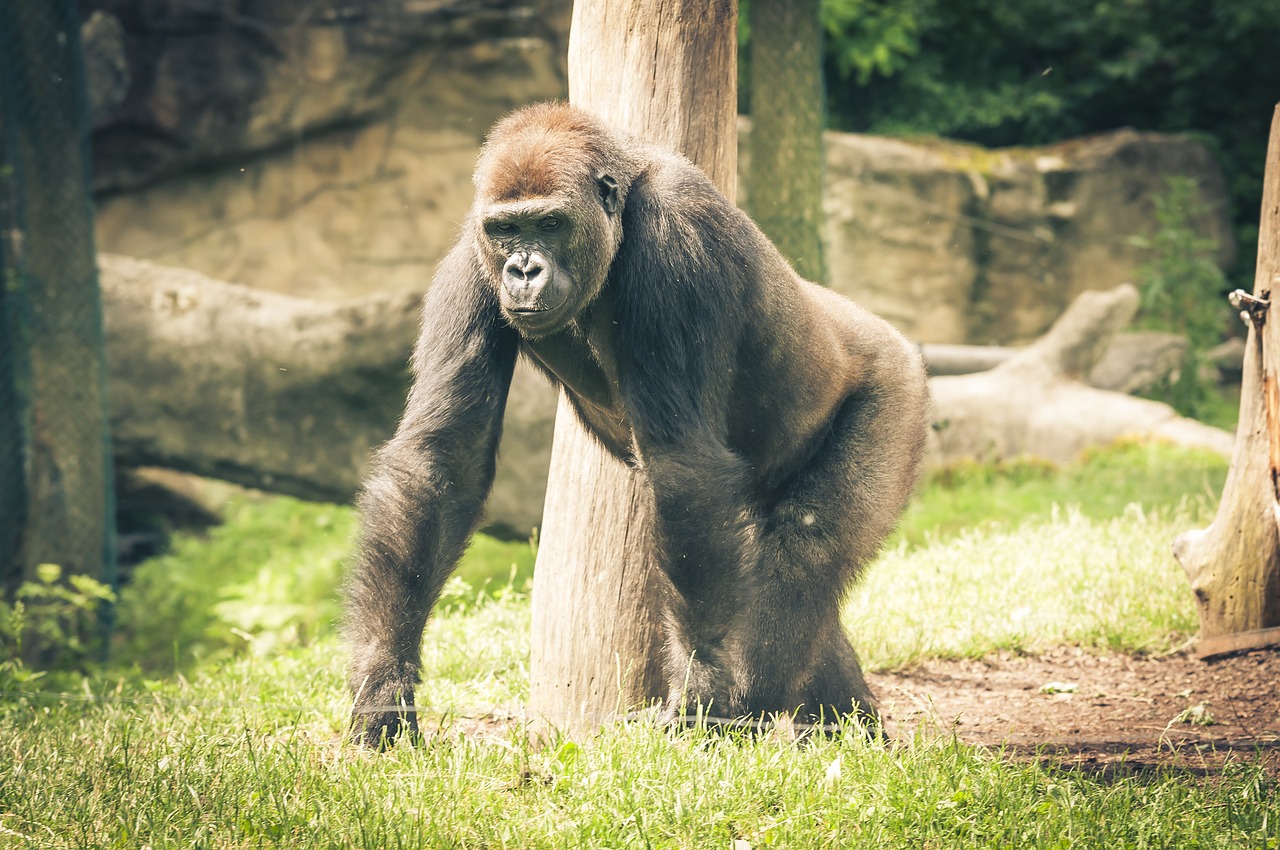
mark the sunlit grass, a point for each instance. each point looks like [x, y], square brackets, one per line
[1152, 474]
[1066, 579]
[245, 748]
[249, 754]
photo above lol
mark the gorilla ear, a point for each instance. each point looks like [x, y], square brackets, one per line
[608, 188]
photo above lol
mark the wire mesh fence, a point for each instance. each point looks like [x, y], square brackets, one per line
[56, 503]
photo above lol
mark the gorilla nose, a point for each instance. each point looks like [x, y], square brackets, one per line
[526, 268]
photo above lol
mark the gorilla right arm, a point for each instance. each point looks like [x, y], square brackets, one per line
[423, 498]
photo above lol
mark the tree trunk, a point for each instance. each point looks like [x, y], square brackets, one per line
[57, 506]
[786, 130]
[1234, 564]
[665, 71]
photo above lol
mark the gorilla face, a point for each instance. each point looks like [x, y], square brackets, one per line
[549, 256]
[547, 240]
[535, 250]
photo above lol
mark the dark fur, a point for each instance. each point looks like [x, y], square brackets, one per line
[779, 426]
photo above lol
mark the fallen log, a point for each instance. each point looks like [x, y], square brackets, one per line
[290, 395]
[943, 358]
[283, 394]
[261, 389]
[1133, 362]
[1037, 402]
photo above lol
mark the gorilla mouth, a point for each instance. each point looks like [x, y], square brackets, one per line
[534, 319]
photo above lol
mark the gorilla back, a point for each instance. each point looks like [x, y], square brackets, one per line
[778, 427]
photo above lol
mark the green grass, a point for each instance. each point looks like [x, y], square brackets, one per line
[268, 578]
[248, 754]
[1155, 475]
[1064, 579]
[244, 748]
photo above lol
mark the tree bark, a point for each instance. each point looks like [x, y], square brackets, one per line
[665, 71]
[57, 507]
[1234, 564]
[786, 130]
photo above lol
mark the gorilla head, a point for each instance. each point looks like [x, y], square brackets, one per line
[547, 217]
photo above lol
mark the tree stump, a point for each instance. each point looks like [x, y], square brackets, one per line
[1234, 564]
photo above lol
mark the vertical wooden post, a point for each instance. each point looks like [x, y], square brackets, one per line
[1234, 564]
[665, 71]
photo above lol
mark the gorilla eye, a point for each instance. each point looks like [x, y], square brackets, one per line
[549, 223]
[503, 227]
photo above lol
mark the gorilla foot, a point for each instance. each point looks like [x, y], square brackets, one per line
[381, 718]
[379, 730]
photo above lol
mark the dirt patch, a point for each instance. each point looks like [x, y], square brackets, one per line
[1113, 713]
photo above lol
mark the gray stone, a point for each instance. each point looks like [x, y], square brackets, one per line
[216, 83]
[955, 243]
[1225, 362]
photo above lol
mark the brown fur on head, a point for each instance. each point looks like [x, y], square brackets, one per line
[545, 149]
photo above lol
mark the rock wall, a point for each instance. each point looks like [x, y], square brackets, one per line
[323, 148]
[955, 243]
[313, 147]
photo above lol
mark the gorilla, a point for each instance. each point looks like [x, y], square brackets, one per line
[777, 426]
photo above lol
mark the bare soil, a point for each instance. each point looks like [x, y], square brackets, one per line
[1109, 713]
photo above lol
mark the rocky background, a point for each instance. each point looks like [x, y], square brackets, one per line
[322, 149]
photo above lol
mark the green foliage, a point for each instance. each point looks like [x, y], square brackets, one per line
[265, 577]
[1182, 290]
[55, 622]
[268, 578]
[1067, 67]
[1181, 284]
[871, 37]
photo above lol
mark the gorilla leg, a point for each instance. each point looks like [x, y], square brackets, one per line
[828, 523]
[698, 518]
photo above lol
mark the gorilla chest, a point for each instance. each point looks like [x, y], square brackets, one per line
[581, 362]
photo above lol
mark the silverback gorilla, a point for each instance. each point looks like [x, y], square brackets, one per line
[778, 427]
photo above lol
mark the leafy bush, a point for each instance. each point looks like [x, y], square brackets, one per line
[269, 577]
[54, 622]
[1182, 291]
